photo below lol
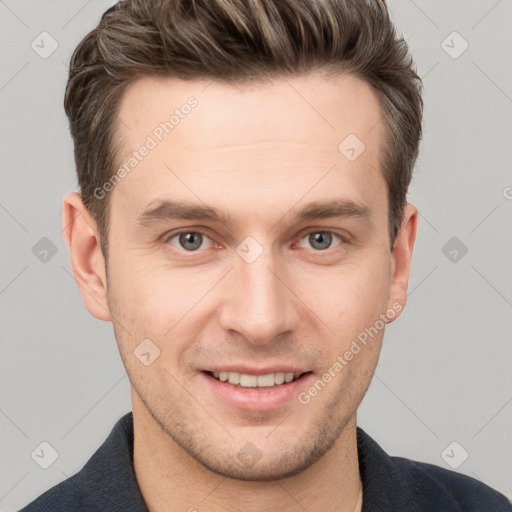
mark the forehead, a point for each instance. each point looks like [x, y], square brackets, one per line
[268, 142]
[301, 104]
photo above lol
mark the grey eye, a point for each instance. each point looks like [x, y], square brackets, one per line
[188, 240]
[321, 240]
[191, 241]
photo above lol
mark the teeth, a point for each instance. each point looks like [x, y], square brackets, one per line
[234, 377]
[279, 378]
[266, 380]
[246, 380]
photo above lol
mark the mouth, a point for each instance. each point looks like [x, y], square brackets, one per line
[259, 391]
[247, 380]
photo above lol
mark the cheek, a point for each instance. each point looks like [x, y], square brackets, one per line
[149, 309]
[348, 297]
[157, 301]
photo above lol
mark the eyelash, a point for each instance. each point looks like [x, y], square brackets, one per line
[168, 237]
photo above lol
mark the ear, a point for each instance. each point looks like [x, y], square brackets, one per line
[401, 260]
[83, 241]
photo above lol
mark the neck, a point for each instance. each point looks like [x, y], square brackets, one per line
[171, 480]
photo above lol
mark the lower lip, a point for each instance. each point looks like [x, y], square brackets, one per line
[256, 399]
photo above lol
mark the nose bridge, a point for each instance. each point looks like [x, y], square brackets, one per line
[258, 305]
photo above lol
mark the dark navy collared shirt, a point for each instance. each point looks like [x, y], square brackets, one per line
[107, 483]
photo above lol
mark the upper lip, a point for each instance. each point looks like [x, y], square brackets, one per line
[251, 370]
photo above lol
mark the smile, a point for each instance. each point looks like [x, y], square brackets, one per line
[246, 380]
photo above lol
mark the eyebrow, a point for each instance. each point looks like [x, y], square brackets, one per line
[166, 210]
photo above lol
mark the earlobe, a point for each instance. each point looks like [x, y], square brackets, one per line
[401, 257]
[83, 242]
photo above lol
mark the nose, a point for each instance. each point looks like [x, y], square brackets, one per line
[259, 302]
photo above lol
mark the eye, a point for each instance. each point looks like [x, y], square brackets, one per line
[321, 240]
[190, 241]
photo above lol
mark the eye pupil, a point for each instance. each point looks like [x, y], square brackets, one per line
[324, 239]
[193, 238]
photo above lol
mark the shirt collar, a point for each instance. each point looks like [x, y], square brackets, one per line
[383, 487]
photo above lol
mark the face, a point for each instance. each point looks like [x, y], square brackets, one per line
[248, 244]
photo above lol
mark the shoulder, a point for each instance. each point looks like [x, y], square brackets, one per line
[66, 495]
[106, 482]
[435, 485]
[396, 483]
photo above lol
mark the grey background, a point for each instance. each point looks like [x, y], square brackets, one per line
[445, 369]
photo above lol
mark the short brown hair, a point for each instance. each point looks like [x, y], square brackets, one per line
[237, 42]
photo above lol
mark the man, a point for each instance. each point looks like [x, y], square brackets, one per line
[242, 221]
